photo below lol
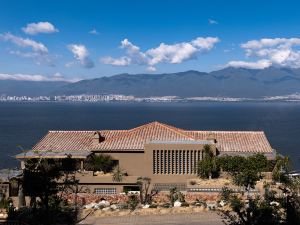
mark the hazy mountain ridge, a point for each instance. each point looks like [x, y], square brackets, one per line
[228, 82]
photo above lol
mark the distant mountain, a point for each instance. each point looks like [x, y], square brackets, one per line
[228, 82]
[29, 88]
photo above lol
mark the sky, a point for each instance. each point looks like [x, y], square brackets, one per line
[71, 40]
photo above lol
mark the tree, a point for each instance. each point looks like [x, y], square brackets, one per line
[245, 171]
[118, 174]
[145, 193]
[281, 168]
[255, 211]
[100, 162]
[207, 167]
[40, 180]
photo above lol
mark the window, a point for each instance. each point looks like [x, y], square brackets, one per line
[105, 191]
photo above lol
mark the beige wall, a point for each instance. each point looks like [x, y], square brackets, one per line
[140, 163]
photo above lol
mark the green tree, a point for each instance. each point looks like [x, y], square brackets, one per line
[245, 171]
[40, 181]
[101, 162]
[118, 174]
[208, 167]
[254, 211]
[146, 194]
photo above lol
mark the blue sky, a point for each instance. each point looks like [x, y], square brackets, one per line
[70, 40]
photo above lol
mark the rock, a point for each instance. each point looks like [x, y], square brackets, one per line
[106, 209]
[146, 206]
[222, 203]
[103, 204]
[274, 203]
[177, 204]
[90, 206]
[114, 207]
[211, 205]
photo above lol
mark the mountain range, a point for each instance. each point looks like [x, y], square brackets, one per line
[228, 82]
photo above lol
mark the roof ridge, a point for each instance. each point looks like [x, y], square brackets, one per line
[175, 129]
[147, 125]
[228, 131]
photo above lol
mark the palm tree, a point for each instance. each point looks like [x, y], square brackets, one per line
[118, 174]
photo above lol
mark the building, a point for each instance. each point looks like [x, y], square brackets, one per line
[166, 154]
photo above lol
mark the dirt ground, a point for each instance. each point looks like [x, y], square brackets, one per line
[201, 218]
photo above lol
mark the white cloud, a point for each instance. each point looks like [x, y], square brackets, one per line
[32, 49]
[261, 64]
[281, 52]
[34, 77]
[123, 61]
[151, 69]
[164, 53]
[25, 43]
[211, 21]
[93, 31]
[40, 27]
[81, 54]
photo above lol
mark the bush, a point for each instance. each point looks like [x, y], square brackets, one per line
[132, 202]
[193, 182]
[185, 204]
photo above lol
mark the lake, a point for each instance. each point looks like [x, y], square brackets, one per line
[25, 123]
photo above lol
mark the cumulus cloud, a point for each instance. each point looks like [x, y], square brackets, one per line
[164, 53]
[93, 31]
[81, 54]
[40, 27]
[34, 77]
[212, 22]
[280, 52]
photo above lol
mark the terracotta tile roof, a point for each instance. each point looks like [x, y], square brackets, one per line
[236, 141]
[134, 139]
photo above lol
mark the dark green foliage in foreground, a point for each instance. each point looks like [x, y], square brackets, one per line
[100, 162]
[245, 171]
[39, 181]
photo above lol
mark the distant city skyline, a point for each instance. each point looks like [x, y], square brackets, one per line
[73, 40]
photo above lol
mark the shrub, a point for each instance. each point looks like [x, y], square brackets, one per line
[193, 182]
[132, 202]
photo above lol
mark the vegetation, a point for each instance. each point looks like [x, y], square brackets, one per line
[118, 174]
[100, 162]
[145, 193]
[245, 171]
[282, 166]
[208, 167]
[175, 195]
[39, 182]
[132, 202]
[277, 207]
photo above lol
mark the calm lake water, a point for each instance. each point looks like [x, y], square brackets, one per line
[25, 123]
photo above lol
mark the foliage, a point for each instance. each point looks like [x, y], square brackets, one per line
[272, 209]
[40, 182]
[281, 168]
[208, 167]
[175, 195]
[145, 193]
[255, 211]
[118, 174]
[5, 203]
[101, 162]
[245, 171]
[132, 202]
